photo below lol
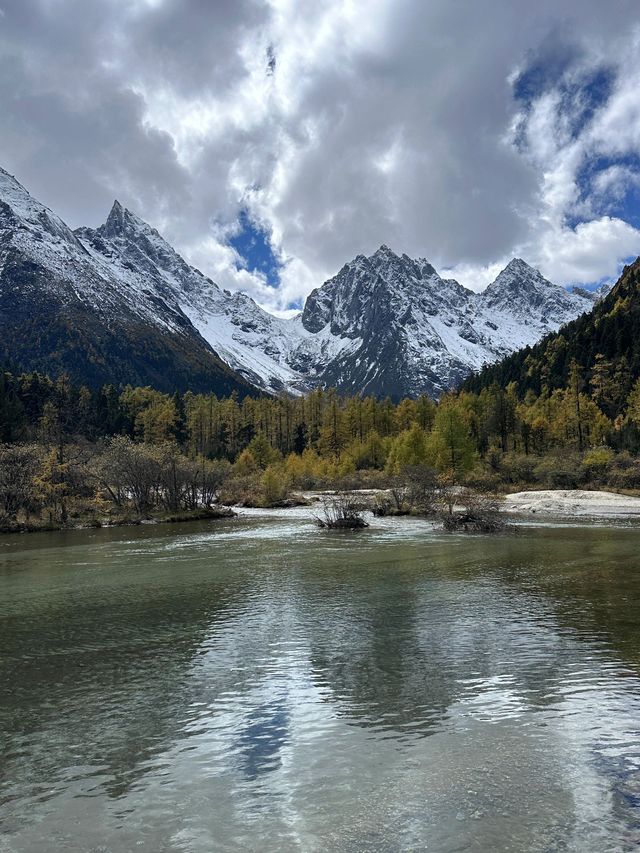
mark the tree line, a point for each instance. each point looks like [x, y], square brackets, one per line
[68, 451]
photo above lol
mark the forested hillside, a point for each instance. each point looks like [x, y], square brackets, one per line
[601, 349]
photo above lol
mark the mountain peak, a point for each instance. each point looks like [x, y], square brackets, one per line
[517, 264]
[522, 291]
[116, 220]
[121, 220]
[384, 253]
[17, 197]
[518, 276]
[23, 207]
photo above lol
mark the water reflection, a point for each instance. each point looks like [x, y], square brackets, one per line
[260, 686]
[263, 734]
[95, 676]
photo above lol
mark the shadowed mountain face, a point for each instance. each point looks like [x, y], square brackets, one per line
[61, 310]
[118, 304]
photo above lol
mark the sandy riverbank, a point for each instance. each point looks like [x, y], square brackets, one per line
[576, 503]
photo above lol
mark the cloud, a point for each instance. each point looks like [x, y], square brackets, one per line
[590, 252]
[582, 134]
[334, 126]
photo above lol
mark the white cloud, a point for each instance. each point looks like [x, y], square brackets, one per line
[588, 253]
[474, 276]
[576, 184]
[614, 181]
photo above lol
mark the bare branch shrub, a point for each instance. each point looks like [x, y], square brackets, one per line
[479, 513]
[19, 464]
[343, 511]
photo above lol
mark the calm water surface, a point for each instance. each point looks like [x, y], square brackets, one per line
[262, 685]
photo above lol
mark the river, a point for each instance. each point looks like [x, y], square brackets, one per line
[261, 685]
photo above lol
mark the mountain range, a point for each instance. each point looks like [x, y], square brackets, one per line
[118, 304]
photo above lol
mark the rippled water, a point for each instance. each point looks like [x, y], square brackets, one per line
[262, 685]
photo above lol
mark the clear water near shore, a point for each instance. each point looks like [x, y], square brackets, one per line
[258, 684]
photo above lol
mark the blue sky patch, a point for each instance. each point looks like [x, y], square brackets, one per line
[620, 199]
[555, 68]
[545, 71]
[582, 99]
[253, 244]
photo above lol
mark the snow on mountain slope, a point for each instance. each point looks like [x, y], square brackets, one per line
[32, 230]
[247, 338]
[525, 306]
[271, 353]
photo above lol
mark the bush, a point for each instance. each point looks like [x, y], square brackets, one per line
[242, 491]
[422, 488]
[596, 464]
[624, 472]
[19, 465]
[382, 506]
[519, 468]
[483, 481]
[275, 486]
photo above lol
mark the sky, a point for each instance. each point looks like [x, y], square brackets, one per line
[272, 141]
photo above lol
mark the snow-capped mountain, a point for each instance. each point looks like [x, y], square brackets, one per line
[415, 332]
[118, 303]
[65, 308]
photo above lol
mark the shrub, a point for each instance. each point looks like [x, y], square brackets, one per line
[342, 512]
[560, 471]
[596, 464]
[480, 513]
[483, 481]
[624, 472]
[275, 486]
[519, 468]
[422, 487]
[19, 465]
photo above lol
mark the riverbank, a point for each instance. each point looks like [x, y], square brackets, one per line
[39, 526]
[549, 504]
[559, 503]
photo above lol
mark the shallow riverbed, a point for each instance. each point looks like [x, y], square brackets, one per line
[259, 684]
